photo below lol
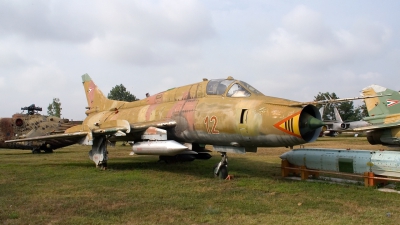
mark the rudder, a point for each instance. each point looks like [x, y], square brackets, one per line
[95, 98]
[387, 103]
[338, 118]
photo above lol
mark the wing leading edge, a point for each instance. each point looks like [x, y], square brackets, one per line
[83, 134]
[380, 126]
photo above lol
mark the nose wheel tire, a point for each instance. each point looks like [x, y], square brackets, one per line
[221, 168]
[222, 173]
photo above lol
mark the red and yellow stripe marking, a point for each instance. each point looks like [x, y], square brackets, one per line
[290, 125]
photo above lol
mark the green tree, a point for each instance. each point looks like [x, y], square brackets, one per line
[347, 110]
[120, 93]
[328, 113]
[54, 108]
[361, 110]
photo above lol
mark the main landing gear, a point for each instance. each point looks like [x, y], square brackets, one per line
[221, 168]
[99, 152]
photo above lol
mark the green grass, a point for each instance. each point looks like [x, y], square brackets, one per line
[66, 188]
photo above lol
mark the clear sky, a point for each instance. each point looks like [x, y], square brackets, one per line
[288, 49]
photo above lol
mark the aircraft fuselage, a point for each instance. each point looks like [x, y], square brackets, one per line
[249, 121]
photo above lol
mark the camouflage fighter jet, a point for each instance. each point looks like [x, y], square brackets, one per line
[32, 124]
[176, 124]
[383, 115]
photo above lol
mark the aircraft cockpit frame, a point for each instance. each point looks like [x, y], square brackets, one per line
[231, 88]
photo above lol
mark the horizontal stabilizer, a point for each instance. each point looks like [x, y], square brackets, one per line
[112, 126]
[82, 134]
[77, 128]
[109, 127]
[75, 135]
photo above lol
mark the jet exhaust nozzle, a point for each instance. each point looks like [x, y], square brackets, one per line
[310, 123]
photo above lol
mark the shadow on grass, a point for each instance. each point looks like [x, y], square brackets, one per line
[28, 151]
[17, 153]
[239, 167]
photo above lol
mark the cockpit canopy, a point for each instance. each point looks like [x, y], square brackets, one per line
[231, 88]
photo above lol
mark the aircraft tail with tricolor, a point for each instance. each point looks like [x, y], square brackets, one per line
[383, 115]
[386, 104]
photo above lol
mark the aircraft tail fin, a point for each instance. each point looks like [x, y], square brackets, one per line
[95, 98]
[337, 115]
[387, 103]
[321, 111]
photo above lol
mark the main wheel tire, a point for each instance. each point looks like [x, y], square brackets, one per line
[223, 172]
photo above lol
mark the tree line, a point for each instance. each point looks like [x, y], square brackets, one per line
[347, 110]
[118, 92]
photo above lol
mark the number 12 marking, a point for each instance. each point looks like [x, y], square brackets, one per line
[214, 121]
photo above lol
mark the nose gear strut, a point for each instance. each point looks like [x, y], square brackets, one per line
[221, 168]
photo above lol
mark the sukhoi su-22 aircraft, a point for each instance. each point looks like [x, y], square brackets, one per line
[177, 124]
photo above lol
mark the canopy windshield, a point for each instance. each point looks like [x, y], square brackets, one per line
[232, 88]
[218, 87]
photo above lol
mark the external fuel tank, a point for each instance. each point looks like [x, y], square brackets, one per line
[384, 163]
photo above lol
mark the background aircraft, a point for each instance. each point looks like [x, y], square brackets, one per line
[334, 127]
[32, 124]
[383, 115]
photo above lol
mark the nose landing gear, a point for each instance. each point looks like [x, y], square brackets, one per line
[221, 168]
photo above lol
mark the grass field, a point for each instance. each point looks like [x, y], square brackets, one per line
[66, 188]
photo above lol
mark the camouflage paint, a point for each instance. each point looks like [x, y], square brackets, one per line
[25, 126]
[383, 114]
[257, 120]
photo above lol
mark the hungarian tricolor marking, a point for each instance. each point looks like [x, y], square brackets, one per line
[390, 102]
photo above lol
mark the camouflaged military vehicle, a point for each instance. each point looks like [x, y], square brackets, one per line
[33, 124]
